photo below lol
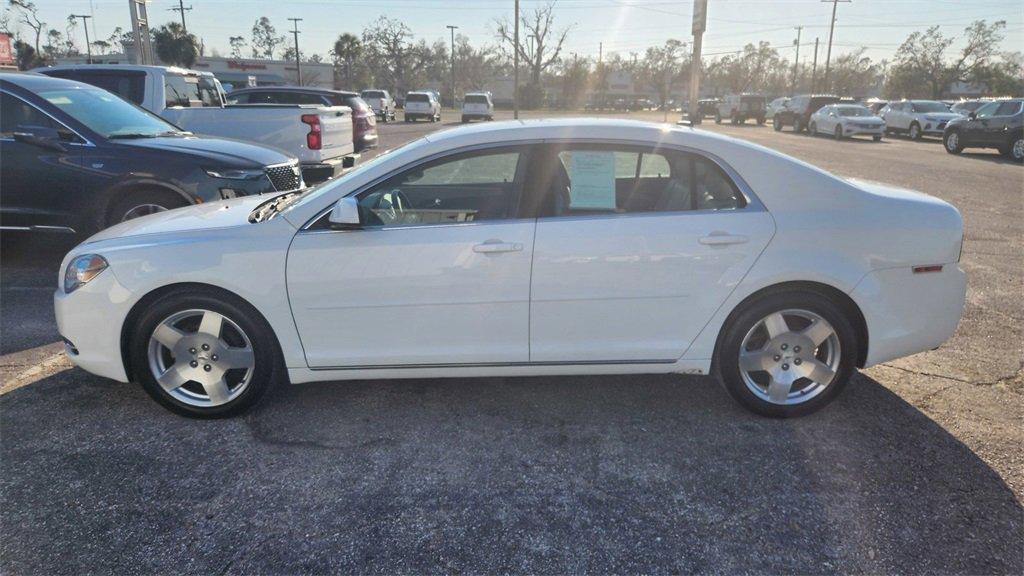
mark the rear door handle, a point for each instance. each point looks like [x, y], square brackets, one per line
[722, 239]
[497, 246]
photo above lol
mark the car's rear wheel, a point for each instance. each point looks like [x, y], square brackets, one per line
[952, 142]
[777, 124]
[915, 131]
[839, 133]
[877, 138]
[813, 129]
[718, 117]
[1015, 149]
[142, 203]
[787, 354]
[204, 354]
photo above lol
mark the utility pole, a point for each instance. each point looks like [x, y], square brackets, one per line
[700, 24]
[831, 30]
[600, 52]
[85, 24]
[181, 8]
[298, 64]
[814, 68]
[796, 64]
[515, 67]
[453, 28]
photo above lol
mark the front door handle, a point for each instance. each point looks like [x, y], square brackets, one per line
[497, 246]
[722, 239]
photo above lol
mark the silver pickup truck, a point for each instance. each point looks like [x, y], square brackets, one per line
[319, 136]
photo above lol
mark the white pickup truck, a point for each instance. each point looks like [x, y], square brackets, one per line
[319, 136]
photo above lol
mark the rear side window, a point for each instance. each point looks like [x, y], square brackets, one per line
[373, 94]
[417, 98]
[129, 85]
[476, 99]
[187, 91]
[1008, 108]
[602, 180]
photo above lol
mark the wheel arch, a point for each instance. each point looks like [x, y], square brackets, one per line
[842, 299]
[128, 327]
[118, 190]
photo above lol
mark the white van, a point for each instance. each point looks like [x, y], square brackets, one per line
[478, 106]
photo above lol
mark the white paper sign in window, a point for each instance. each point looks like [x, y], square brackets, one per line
[592, 180]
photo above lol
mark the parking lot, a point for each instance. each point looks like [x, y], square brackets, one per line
[916, 468]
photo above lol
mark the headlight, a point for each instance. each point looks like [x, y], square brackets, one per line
[81, 270]
[235, 173]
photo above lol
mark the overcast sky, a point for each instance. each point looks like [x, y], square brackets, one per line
[622, 26]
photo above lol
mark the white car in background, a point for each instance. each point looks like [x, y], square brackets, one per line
[527, 248]
[845, 121]
[917, 118]
[477, 106]
[774, 106]
[381, 102]
[422, 105]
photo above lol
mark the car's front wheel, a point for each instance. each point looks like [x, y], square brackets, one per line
[787, 354]
[1015, 149]
[142, 203]
[915, 131]
[777, 124]
[813, 129]
[839, 133]
[952, 142]
[204, 354]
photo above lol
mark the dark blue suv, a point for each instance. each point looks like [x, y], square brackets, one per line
[79, 158]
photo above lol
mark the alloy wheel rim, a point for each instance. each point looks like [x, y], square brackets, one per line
[952, 140]
[914, 131]
[789, 357]
[201, 358]
[1018, 149]
[142, 210]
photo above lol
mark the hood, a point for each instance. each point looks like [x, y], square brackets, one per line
[864, 119]
[219, 151]
[206, 216]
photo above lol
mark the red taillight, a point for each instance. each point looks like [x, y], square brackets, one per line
[313, 139]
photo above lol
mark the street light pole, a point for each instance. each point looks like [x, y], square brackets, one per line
[85, 24]
[700, 23]
[453, 29]
[298, 64]
[831, 30]
[796, 64]
[515, 68]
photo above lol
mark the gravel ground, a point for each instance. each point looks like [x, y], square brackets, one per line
[916, 468]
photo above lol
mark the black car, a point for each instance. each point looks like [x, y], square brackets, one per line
[797, 112]
[364, 119]
[998, 124]
[79, 158]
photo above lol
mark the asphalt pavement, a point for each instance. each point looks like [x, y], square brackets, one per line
[916, 468]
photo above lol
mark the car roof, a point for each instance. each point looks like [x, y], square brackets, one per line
[306, 89]
[32, 81]
[131, 67]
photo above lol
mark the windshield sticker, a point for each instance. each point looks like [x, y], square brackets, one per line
[592, 180]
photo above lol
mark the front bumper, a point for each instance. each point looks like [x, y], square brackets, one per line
[856, 130]
[909, 312]
[90, 320]
[934, 128]
[317, 172]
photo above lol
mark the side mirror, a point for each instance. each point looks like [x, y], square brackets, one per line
[972, 115]
[345, 215]
[41, 136]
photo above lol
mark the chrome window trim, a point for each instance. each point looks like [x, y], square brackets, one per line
[753, 204]
[85, 141]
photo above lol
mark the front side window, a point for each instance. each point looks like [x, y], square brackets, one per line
[602, 180]
[988, 110]
[15, 112]
[927, 107]
[467, 188]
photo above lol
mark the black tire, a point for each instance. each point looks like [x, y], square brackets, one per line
[777, 124]
[406, 118]
[134, 201]
[761, 120]
[268, 367]
[798, 126]
[734, 119]
[742, 320]
[953, 146]
[839, 133]
[1014, 149]
[877, 138]
[813, 129]
[910, 131]
[464, 120]
[718, 117]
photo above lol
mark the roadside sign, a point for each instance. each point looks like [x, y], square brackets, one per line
[6, 54]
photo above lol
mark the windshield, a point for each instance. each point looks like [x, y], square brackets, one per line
[417, 98]
[930, 107]
[853, 111]
[476, 99]
[372, 94]
[315, 192]
[106, 114]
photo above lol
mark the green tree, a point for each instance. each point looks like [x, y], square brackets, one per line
[174, 46]
[265, 39]
[237, 45]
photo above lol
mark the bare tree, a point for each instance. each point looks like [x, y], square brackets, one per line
[544, 45]
[237, 45]
[28, 15]
[390, 51]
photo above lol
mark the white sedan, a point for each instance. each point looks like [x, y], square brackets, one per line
[846, 121]
[524, 249]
